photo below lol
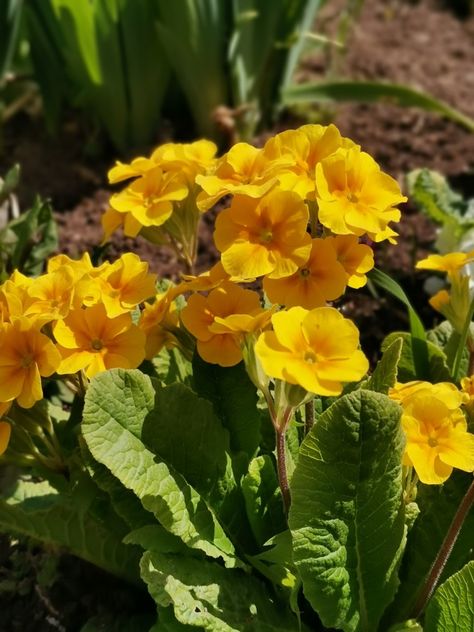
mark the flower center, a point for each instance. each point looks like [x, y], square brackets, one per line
[305, 272]
[26, 361]
[266, 236]
[310, 357]
[96, 344]
[432, 442]
[352, 197]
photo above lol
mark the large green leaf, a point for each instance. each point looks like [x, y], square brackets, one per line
[431, 192]
[346, 514]
[452, 606]
[263, 500]
[370, 92]
[385, 373]
[210, 597]
[234, 398]
[437, 504]
[117, 403]
[437, 371]
[38, 511]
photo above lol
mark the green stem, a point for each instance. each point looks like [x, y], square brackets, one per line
[281, 465]
[449, 541]
[462, 342]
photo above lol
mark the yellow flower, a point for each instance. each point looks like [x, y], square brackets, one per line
[149, 199]
[218, 339]
[467, 387]
[303, 148]
[355, 258]
[52, 293]
[267, 236]
[80, 267]
[315, 349]
[157, 321]
[5, 432]
[436, 433]
[322, 278]
[124, 284]
[88, 339]
[451, 263]
[27, 355]
[354, 196]
[446, 391]
[244, 170]
[202, 283]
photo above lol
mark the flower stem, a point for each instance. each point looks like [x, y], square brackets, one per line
[449, 541]
[281, 465]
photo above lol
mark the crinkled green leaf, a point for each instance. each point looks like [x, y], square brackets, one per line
[38, 511]
[263, 500]
[432, 194]
[346, 514]
[116, 405]
[452, 606]
[437, 504]
[234, 398]
[205, 595]
[438, 370]
[385, 373]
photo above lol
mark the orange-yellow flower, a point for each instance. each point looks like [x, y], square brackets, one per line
[157, 321]
[355, 258]
[315, 349]
[451, 263]
[52, 293]
[218, 339]
[149, 199]
[27, 355]
[303, 148]
[436, 432]
[5, 432]
[88, 339]
[244, 170]
[322, 278]
[267, 236]
[355, 197]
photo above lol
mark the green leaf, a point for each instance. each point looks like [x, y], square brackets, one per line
[210, 597]
[117, 403]
[432, 194]
[438, 370]
[420, 352]
[346, 515]
[38, 511]
[234, 398]
[385, 373]
[452, 606]
[154, 537]
[437, 504]
[372, 92]
[263, 499]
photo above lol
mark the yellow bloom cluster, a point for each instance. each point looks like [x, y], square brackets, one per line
[436, 430]
[78, 318]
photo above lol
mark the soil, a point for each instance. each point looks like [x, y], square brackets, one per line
[422, 44]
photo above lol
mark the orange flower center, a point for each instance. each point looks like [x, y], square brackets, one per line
[305, 272]
[26, 361]
[310, 357]
[266, 236]
[432, 442]
[97, 344]
[352, 197]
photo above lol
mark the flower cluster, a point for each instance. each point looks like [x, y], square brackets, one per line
[77, 318]
[435, 428]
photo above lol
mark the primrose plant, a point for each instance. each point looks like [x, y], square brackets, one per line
[222, 441]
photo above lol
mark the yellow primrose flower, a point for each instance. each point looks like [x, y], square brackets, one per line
[218, 340]
[267, 236]
[80, 267]
[303, 148]
[27, 355]
[436, 435]
[203, 282]
[446, 391]
[356, 259]
[354, 196]
[467, 387]
[451, 263]
[322, 278]
[88, 339]
[157, 321]
[315, 349]
[149, 199]
[244, 170]
[52, 293]
[124, 284]
[5, 432]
